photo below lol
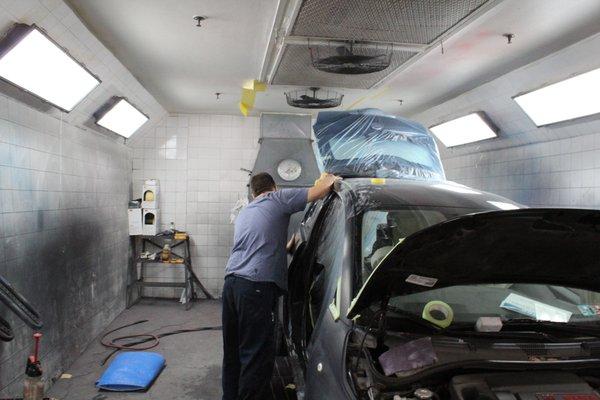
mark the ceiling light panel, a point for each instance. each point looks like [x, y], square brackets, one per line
[35, 63]
[468, 129]
[566, 100]
[121, 117]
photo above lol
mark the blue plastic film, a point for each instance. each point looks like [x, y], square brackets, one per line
[369, 143]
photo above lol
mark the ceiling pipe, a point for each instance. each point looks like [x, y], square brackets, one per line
[287, 11]
[323, 41]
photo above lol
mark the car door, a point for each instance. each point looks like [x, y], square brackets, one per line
[310, 274]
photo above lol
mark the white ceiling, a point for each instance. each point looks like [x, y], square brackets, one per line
[479, 52]
[183, 66]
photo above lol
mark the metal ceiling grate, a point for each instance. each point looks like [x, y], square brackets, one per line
[399, 21]
[296, 69]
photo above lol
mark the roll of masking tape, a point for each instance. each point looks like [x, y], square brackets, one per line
[438, 313]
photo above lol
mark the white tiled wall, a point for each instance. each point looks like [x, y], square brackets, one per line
[63, 193]
[563, 173]
[556, 165]
[63, 26]
[197, 159]
[63, 234]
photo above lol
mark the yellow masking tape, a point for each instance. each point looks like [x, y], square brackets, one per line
[256, 85]
[438, 313]
[378, 181]
[248, 97]
[244, 109]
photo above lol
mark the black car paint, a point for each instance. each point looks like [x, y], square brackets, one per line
[321, 348]
[321, 360]
[473, 249]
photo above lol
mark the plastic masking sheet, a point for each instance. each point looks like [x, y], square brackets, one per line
[370, 143]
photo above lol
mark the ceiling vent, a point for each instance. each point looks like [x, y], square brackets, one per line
[365, 43]
[351, 58]
[314, 98]
[296, 69]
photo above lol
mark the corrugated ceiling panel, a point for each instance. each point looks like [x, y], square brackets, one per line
[399, 21]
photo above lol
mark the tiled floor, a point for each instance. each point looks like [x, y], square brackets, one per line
[193, 368]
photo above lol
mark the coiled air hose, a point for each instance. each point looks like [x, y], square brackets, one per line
[130, 342]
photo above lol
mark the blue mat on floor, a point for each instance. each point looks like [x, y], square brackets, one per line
[130, 371]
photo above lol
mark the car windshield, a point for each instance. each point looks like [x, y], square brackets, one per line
[381, 230]
[508, 301]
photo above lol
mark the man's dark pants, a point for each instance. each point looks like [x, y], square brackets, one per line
[249, 347]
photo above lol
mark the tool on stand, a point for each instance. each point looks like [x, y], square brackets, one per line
[165, 255]
[20, 306]
[33, 386]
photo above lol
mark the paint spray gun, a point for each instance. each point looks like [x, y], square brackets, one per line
[33, 385]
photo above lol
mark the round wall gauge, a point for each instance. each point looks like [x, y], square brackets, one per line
[289, 170]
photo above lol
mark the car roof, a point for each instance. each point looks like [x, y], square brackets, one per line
[362, 194]
[387, 193]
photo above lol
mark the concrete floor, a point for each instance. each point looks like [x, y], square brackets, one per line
[193, 360]
[193, 370]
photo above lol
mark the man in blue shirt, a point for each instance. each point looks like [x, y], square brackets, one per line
[254, 277]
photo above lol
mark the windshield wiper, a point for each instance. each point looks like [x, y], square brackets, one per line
[522, 328]
[467, 329]
[463, 329]
[591, 328]
[417, 319]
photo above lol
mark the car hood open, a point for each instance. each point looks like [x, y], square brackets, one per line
[545, 246]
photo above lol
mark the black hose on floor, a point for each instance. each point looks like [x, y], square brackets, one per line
[142, 338]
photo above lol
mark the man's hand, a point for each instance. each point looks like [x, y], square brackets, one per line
[292, 243]
[322, 187]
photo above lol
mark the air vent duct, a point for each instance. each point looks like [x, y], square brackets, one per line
[351, 58]
[314, 98]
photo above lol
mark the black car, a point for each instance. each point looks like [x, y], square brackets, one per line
[405, 289]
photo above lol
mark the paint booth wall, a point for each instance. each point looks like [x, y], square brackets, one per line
[197, 160]
[559, 173]
[63, 234]
[556, 165]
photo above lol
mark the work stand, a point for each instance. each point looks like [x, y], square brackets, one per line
[180, 249]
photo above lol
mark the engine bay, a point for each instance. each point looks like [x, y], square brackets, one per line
[467, 369]
[522, 386]
[525, 385]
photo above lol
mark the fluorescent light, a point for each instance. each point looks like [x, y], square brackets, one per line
[121, 117]
[454, 187]
[503, 206]
[468, 129]
[569, 99]
[32, 61]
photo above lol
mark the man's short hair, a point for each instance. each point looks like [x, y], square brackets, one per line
[261, 182]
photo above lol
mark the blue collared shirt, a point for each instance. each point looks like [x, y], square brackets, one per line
[260, 236]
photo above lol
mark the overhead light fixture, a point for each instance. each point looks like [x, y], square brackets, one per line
[562, 101]
[468, 129]
[32, 61]
[120, 116]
